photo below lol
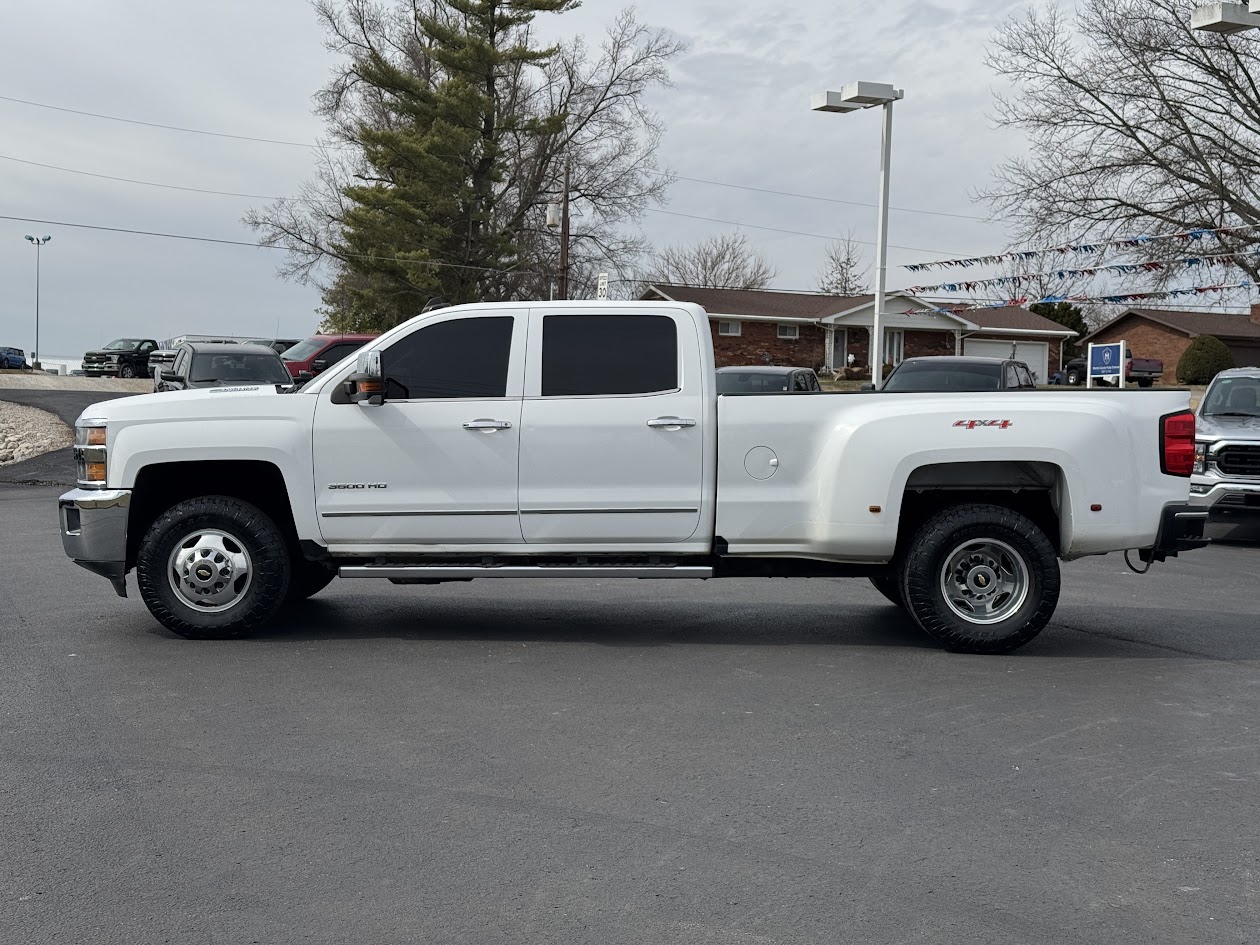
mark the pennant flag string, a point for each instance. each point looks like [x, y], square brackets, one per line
[970, 285]
[1115, 298]
[1083, 249]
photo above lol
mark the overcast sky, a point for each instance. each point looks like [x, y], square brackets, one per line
[738, 112]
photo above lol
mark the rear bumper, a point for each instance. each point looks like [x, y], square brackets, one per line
[1180, 529]
[94, 531]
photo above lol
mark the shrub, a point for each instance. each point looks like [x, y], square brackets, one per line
[1204, 359]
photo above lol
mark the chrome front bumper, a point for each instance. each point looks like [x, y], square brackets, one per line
[94, 531]
[1224, 495]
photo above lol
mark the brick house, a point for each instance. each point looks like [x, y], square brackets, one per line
[759, 326]
[1166, 334]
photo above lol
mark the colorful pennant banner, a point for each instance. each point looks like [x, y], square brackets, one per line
[969, 285]
[1083, 249]
[1120, 297]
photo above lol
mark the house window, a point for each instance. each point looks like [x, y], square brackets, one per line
[789, 332]
[729, 329]
[894, 346]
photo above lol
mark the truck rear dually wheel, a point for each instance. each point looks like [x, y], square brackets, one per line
[213, 567]
[981, 579]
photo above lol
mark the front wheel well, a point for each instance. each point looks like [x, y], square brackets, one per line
[162, 485]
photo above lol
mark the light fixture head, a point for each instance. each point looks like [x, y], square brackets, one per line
[831, 102]
[1225, 17]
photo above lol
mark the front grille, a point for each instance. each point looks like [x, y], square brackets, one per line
[1239, 460]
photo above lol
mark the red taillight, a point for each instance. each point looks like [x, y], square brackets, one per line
[1176, 444]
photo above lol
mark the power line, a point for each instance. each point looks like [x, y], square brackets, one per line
[300, 144]
[227, 242]
[153, 124]
[132, 180]
[851, 203]
[775, 229]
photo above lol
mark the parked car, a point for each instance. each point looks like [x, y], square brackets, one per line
[579, 440]
[766, 379]
[1141, 371]
[198, 364]
[946, 373]
[13, 359]
[278, 345]
[321, 351]
[1227, 444]
[123, 357]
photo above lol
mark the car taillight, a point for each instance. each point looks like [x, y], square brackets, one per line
[1176, 444]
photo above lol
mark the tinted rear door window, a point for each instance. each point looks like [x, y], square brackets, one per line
[464, 357]
[586, 355]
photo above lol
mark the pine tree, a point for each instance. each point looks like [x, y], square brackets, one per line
[1067, 315]
[421, 221]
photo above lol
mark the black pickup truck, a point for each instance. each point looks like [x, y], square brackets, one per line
[123, 357]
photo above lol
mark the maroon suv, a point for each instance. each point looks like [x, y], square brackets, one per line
[321, 351]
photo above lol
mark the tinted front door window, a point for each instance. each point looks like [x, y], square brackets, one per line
[465, 357]
[587, 355]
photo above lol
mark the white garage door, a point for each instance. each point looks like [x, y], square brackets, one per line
[1036, 354]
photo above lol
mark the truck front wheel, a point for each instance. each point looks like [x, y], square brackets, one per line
[981, 579]
[126, 371]
[213, 567]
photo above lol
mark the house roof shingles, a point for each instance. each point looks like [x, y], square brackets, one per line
[770, 304]
[763, 302]
[1195, 323]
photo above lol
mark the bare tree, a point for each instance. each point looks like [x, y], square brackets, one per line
[719, 262]
[608, 135]
[844, 272]
[1138, 125]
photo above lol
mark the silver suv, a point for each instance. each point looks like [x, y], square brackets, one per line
[1227, 444]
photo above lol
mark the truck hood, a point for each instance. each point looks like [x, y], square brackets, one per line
[111, 352]
[1227, 428]
[202, 403]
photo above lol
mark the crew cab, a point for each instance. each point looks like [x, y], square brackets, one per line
[1227, 452]
[1141, 371]
[585, 440]
[122, 357]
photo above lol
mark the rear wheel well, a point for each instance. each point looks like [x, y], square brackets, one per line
[1033, 489]
[162, 485]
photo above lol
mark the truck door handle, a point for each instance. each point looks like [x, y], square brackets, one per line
[488, 425]
[671, 423]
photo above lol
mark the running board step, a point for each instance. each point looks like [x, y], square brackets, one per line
[463, 573]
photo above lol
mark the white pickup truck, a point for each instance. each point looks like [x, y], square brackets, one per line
[585, 440]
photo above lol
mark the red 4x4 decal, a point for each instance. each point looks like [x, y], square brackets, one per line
[972, 424]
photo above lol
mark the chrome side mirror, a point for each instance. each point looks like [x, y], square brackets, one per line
[366, 386]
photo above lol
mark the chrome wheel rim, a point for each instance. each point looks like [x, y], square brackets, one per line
[210, 571]
[984, 581]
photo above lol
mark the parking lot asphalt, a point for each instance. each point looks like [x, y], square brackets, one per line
[57, 467]
[627, 762]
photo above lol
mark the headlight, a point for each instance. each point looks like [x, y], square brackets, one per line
[90, 453]
[1200, 457]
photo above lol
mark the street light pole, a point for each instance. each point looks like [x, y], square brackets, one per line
[881, 247]
[38, 242]
[854, 97]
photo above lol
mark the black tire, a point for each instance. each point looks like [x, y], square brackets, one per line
[1073, 377]
[888, 586]
[974, 535]
[307, 579]
[127, 371]
[243, 527]
[1145, 382]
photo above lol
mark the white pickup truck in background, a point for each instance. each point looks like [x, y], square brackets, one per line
[586, 440]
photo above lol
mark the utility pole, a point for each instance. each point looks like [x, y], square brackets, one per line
[564, 234]
[37, 241]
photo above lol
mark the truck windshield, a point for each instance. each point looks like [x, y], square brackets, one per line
[304, 349]
[123, 344]
[1233, 397]
[751, 382]
[238, 369]
[941, 375]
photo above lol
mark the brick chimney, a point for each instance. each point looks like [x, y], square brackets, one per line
[1255, 312]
